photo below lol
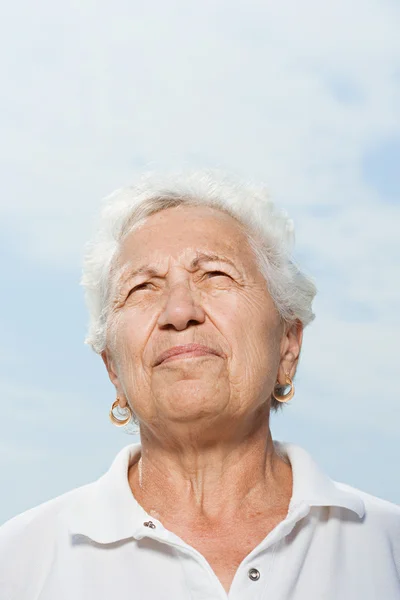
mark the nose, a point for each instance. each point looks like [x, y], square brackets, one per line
[181, 308]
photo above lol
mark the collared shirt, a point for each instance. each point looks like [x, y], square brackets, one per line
[97, 543]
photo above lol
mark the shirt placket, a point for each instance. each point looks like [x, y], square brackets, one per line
[254, 575]
[201, 581]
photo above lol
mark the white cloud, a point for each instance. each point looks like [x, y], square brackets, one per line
[347, 375]
[244, 85]
[39, 408]
[98, 89]
[19, 453]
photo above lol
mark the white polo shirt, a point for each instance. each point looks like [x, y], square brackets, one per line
[97, 543]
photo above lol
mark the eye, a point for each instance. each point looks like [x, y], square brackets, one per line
[216, 274]
[141, 286]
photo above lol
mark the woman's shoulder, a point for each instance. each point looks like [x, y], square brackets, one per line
[371, 500]
[41, 518]
[376, 509]
[49, 520]
[29, 541]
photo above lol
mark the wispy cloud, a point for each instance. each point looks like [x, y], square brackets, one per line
[303, 96]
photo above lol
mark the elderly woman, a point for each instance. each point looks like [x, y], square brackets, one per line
[198, 310]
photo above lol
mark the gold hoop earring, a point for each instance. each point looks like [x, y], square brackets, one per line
[289, 395]
[120, 422]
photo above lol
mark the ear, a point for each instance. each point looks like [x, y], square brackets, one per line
[290, 350]
[113, 375]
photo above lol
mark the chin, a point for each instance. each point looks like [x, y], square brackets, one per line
[194, 405]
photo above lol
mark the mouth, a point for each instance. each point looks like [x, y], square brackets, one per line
[185, 352]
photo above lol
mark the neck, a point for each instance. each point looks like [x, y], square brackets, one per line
[204, 484]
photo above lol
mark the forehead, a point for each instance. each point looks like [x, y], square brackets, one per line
[184, 230]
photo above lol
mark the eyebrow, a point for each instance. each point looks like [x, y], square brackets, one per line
[200, 257]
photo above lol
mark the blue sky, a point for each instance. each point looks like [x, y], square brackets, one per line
[306, 101]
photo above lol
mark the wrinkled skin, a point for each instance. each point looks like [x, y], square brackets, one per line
[224, 306]
[209, 471]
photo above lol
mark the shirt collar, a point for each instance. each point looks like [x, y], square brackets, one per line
[311, 486]
[106, 510]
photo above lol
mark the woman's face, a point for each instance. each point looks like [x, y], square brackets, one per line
[184, 294]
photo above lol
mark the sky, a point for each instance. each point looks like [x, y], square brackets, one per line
[303, 97]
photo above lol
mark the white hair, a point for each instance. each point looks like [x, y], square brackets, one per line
[270, 234]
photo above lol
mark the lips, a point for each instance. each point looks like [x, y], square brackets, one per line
[196, 349]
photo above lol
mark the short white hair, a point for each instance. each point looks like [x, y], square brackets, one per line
[269, 231]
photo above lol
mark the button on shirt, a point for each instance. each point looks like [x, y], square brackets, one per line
[96, 542]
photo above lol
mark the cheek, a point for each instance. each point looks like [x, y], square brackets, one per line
[254, 328]
[125, 338]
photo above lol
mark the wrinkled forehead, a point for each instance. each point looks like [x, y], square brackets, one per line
[181, 234]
